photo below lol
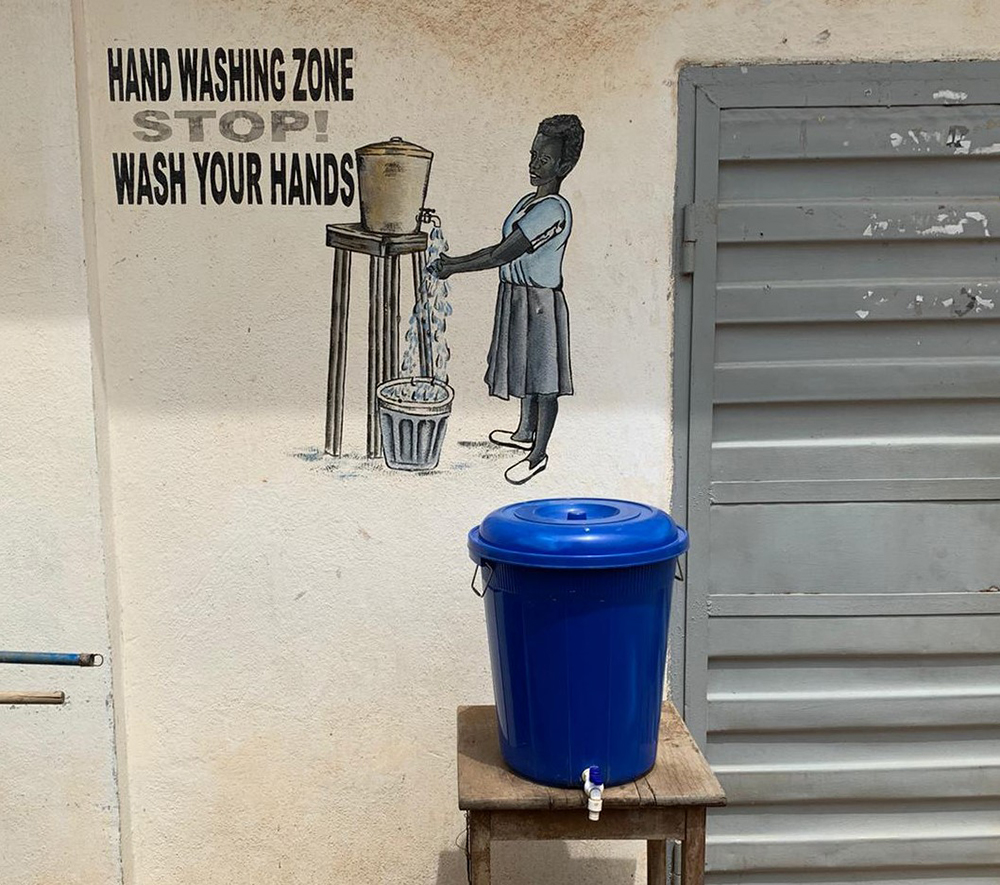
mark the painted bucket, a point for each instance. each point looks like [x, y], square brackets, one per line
[413, 428]
[577, 595]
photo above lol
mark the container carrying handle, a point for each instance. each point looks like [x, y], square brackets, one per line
[679, 573]
[488, 576]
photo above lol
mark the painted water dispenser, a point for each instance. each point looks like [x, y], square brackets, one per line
[392, 184]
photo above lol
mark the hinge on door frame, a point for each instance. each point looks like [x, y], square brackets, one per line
[697, 217]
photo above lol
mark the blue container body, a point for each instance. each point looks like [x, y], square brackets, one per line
[578, 658]
[577, 594]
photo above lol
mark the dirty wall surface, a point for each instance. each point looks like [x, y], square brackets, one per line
[293, 632]
[58, 801]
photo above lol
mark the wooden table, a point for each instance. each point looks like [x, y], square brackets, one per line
[383, 319]
[667, 804]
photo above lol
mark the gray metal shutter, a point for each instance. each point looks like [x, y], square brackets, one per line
[838, 454]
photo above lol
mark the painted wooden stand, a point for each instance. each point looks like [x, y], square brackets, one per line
[667, 804]
[384, 251]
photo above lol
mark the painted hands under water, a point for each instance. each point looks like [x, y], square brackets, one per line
[439, 267]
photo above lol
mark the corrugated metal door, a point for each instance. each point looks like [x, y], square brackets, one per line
[838, 402]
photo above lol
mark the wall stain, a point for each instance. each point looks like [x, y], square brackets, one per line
[523, 46]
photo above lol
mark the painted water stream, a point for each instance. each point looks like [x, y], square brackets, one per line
[426, 338]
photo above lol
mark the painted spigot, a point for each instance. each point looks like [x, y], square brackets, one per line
[428, 216]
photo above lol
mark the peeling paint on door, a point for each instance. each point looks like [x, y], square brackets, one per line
[949, 95]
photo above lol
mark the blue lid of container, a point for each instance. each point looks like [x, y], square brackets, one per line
[577, 533]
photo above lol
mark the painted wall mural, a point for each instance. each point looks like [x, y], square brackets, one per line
[528, 356]
[190, 97]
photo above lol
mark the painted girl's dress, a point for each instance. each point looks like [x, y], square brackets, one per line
[529, 353]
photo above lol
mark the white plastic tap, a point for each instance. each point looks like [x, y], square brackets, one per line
[593, 786]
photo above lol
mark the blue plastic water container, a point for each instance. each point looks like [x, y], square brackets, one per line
[577, 594]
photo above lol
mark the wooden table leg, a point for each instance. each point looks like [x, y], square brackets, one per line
[383, 338]
[391, 307]
[656, 862]
[423, 352]
[376, 340]
[479, 846]
[693, 850]
[340, 305]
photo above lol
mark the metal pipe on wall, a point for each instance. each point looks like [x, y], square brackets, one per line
[51, 658]
[31, 697]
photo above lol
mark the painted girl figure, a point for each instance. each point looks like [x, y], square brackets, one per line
[529, 356]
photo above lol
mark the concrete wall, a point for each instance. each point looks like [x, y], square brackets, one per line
[295, 633]
[58, 801]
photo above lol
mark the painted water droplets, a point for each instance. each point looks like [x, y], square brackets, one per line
[429, 320]
[415, 390]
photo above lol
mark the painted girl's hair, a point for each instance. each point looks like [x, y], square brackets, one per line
[568, 129]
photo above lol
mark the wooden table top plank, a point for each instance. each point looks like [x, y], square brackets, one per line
[680, 777]
[635, 786]
[646, 794]
[681, 768]
[355, 238]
